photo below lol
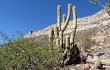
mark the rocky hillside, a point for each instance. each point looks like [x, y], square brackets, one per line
[97, 21]
[92, 37]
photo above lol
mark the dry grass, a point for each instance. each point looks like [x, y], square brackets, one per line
[83, 39]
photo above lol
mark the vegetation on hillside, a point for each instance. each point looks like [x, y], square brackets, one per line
[106, 6]
[24, 54]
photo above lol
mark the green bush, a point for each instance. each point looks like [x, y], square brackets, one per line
[23, 54]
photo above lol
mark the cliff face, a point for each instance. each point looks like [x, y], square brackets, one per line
[96, 21]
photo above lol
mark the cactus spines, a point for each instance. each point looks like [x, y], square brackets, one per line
[67, 42]
[51, 33]
[56, 32]
[59, 16]
[68, 17]
[64, 18]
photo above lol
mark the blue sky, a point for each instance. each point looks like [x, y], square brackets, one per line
[27, 15]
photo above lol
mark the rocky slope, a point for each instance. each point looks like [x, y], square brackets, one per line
[93, 34]
[97, 20]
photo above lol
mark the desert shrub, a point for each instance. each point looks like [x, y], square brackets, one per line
[105, 32]
[23, 54]
[83, 39]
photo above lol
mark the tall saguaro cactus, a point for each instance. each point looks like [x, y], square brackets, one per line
[65, 21]
[68, 52]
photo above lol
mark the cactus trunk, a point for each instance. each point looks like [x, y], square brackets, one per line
[68, 17]
[61, 39]
[67, 42]
[58, 42]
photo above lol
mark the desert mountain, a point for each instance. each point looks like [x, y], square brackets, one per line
[96, 22]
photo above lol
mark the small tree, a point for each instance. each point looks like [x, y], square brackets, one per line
[106, 6]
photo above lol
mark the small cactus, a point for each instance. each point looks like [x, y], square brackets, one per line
[98, 64]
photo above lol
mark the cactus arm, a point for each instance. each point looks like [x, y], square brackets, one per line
[67, 42]
[61, 39]
[74, 25]
[75, 17]
[56, 32]
[59, 16]
[51, 33]
[68, 17]
[64, 18]
[58, 42]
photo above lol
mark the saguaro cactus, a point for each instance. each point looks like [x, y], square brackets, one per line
[69, 52]
[65, 21]
[74, 27]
